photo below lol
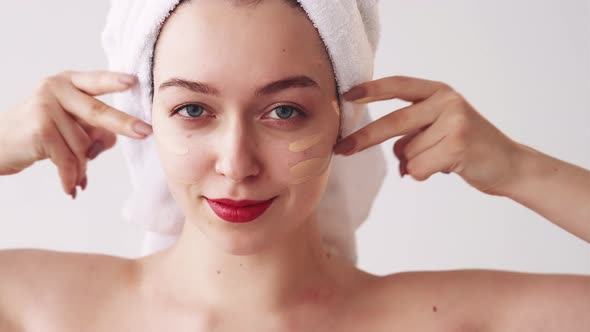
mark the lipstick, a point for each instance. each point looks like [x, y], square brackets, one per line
[238, 211]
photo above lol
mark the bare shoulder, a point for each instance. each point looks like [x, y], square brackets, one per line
[43, 282]
[491, 300]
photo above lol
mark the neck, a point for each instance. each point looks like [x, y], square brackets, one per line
[290, 271]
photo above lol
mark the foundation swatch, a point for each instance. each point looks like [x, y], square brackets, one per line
[308, 170]
[305, 143]
[335, 107]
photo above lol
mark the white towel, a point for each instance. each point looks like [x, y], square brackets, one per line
[350, 32]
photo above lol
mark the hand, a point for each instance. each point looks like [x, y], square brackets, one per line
[63, 122]
[442, 133]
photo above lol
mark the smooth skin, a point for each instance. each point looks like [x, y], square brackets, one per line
[56, 291]
[43, 289]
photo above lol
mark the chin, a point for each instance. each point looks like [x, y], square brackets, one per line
[250, 240]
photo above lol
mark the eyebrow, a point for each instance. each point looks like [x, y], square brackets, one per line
[299, 81]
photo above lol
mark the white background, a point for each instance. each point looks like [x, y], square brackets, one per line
[525, 65]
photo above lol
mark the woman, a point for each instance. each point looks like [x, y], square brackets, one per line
[273, 275]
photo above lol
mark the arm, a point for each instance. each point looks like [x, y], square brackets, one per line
[556, 190]
[540, 302]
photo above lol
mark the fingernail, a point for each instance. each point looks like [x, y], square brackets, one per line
[127, 79]
[142, 128]
[354, 93]
[84, 182]
[73, 193]
[94, 150]
[345, 146]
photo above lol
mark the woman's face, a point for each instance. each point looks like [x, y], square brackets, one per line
[261, 123]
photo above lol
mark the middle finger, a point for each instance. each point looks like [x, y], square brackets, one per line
[75, 137]
[98, 114]
[400, 122]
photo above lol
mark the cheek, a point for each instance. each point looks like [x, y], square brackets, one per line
[181, 164]
[309, 158]
[291, 159]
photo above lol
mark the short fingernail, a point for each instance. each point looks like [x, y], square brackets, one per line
[84, 182]
[354, 93]
[94, 150]
[73, 193]
[127, 79]
[142, 128]
[345, 146]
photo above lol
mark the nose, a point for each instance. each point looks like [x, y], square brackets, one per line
[236, 153]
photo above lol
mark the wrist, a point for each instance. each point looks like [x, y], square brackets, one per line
[530, 165]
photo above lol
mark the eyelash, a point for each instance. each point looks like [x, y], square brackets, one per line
[175, 112]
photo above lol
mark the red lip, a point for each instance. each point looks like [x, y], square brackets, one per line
[238, 211]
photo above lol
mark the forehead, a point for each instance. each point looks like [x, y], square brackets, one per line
[216, 39]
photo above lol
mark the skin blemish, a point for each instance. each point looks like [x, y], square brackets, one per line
[434, 308]
[305, 143]
[308, 170]
[319, 62]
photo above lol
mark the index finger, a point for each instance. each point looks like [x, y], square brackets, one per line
[95, 83]
[403, 87]
[98, 114]
[400, 122]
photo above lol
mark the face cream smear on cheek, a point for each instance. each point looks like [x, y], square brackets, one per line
[305, 143]
[336, 107]
[308, 170]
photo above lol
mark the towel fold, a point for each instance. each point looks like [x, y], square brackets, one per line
[350, 32]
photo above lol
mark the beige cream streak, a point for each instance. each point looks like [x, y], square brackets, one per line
[305, 143]
[336, 107]
[308, 170]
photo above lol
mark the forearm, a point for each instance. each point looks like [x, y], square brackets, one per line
[4, 170]
[557, 190]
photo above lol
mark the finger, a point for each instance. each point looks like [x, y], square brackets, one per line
[426, 139]
[74, 136]
[107, 138]
[438, 158]
[400, 122]
[60, 154]
[398, 148]
[403, 87]
[102, 140]
[98, 114]
[95, 83]
[400, 144]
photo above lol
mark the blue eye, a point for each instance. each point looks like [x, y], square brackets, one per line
[284, 112]
[189, 111]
